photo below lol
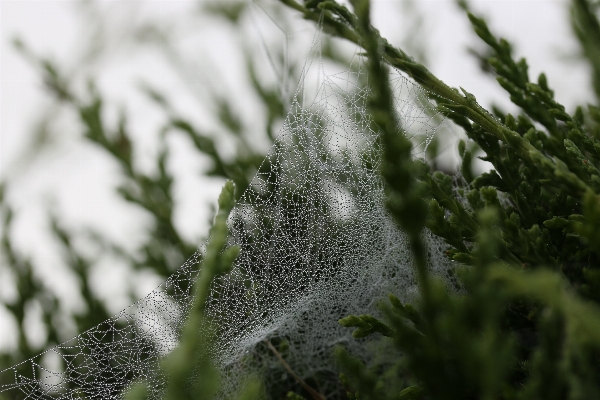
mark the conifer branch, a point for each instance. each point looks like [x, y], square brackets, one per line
[346, 26]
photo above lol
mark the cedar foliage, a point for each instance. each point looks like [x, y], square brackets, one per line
[524, 236]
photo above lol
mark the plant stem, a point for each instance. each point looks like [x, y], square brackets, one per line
[314, 394]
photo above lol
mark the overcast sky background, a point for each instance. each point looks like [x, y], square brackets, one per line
[79, 180]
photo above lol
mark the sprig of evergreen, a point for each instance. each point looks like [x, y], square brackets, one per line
[527, 230]
[189, 369]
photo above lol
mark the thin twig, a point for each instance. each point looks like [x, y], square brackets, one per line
[315, 395]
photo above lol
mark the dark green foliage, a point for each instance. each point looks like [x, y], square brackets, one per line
[525, 236]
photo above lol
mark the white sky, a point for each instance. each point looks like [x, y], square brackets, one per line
[80, 180]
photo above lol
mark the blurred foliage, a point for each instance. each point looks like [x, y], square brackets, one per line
[164, 248]
[189, 362]
[524, 236]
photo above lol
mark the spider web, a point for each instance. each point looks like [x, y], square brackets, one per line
[316, 243]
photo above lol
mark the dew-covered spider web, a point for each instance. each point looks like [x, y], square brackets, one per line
[317, 244]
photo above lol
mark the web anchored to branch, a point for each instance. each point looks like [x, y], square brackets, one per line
[317, 244]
